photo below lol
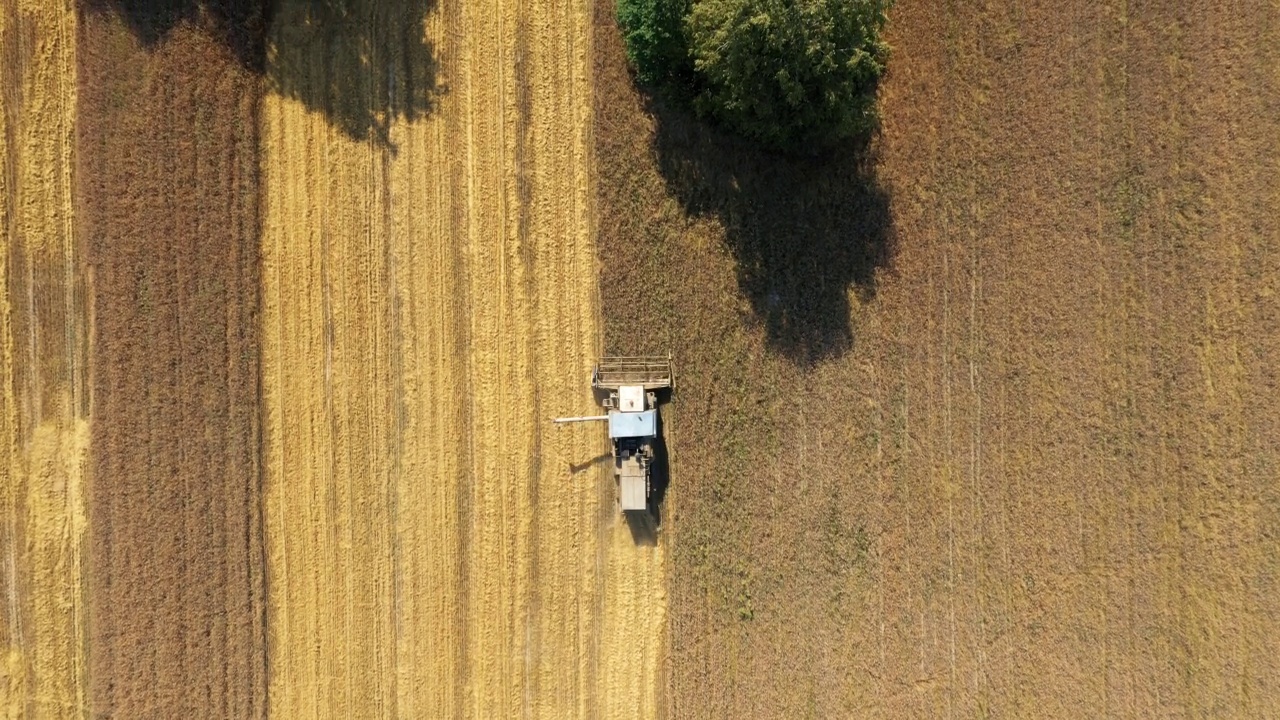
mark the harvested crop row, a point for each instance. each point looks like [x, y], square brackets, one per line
[44, 403]
[326, 384]
[436, 547]
[168, 193]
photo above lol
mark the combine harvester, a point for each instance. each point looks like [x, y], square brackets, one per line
[629, 388]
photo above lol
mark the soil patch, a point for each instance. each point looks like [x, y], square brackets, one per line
[168, 191]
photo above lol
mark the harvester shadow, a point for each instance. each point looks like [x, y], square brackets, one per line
[805, 230]
[362, 64]
[575, 468]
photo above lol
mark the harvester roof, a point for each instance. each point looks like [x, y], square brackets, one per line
[633, 424]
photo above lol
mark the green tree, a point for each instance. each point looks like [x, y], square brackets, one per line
[654, 33]
[788, 72]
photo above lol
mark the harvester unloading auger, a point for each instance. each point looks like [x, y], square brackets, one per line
[629, 388]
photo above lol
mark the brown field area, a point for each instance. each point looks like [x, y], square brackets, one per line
[979, 422]
[975, 420]
[168, 216]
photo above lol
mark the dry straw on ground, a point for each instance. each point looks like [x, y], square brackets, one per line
[44, 403]
[430, 305]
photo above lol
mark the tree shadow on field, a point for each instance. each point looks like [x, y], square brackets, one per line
[363, 64]
[803, 230]
[240, 25]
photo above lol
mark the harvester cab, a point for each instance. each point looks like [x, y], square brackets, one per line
[630, 389]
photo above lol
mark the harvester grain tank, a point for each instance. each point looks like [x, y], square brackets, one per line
[630, 389]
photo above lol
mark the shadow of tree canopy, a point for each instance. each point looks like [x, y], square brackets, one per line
[803, 230]
[362, 63]
[240, 25]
